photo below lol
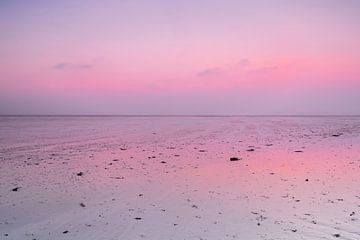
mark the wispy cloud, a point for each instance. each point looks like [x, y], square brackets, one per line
[240, 65]
[264, 70]
[243, 62]
[69, 66]
[209, 72]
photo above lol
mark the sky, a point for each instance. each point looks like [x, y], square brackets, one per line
[212, 57]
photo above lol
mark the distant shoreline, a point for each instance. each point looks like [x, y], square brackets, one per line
[173, 115]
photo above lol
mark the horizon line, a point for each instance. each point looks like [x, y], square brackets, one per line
[179, 115]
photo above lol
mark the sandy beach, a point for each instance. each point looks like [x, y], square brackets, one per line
[112, 178]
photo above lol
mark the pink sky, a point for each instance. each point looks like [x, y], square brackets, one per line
[180, 57]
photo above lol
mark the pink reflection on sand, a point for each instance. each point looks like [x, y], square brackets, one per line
[173, 178]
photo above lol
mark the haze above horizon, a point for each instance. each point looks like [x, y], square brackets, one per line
[221, 58]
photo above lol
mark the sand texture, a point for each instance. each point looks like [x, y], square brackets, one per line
[128, 178]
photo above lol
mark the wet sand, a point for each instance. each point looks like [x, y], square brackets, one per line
[179, 178]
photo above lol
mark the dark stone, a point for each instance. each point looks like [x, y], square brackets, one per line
[337, 135]
[15, 189]
[80, 174]
[235, 159]
[82, 205]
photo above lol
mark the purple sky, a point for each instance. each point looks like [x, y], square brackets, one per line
[180, 57]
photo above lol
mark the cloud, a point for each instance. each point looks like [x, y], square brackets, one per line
[215, 71]
[69, 66]
[209, 72]
[243, 62]
[264, 70]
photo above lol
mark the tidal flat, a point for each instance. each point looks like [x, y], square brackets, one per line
[127, 178]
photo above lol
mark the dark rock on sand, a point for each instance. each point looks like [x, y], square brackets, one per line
[15, 189]
[235, 159]
[80, 174]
